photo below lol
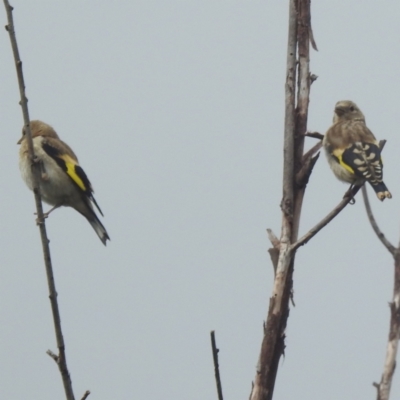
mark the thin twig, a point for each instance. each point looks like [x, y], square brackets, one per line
[53, 356]
[274, 250]
[216, 365]
[383, 388]
[315, 135]
[85, 395]
[303, 176]
[374, 224]
[273, 239]
[312, 151]
[62, 363]
[325, 221]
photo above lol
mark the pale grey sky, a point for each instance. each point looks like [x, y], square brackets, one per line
[175, 110]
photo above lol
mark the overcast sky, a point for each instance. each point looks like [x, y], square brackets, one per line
[175, 110]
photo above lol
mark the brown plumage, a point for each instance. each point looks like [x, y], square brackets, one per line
[352, 150]
[63, 182]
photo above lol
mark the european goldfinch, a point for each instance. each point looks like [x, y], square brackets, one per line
[353, 152]
[62, 182]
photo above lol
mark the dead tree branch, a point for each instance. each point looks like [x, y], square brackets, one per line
[273, 344]
[374, 224]
[383, 388]
[61, 358]
[85, 395]
[348, 197]
[297, 168]
[216, 365]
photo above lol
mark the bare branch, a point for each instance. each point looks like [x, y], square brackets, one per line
[313, 78]
[274, 250]
[374, 224]
[348, 197]
[216, 365]
[62, 363]
[86, 395]
[311, 34]
[53, 356]
[315, 135]
[385, 384]
[312, 151]
[273, 239]
[272, 346]
[303, 176]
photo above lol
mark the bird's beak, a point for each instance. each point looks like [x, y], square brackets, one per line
[339, 111]
[20, 140]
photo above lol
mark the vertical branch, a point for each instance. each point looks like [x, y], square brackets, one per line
[303, 99]
[383, 388]
[61, 358]
[273, 341]
[216, 365]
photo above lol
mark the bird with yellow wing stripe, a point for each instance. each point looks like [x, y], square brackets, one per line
[352, 150]
[62, 181]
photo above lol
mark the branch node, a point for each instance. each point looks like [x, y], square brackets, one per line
[313, 78]
[273, 239]
[54, 356]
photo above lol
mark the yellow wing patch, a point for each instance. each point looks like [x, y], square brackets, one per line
[338, 153]
[70, 163]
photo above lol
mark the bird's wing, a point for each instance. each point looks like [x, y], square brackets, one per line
[355, 148]
[63, 155]
[365, 159]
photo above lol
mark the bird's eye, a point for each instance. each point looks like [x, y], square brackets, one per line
[351, 108]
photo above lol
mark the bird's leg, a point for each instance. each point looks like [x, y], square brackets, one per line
[349, 193]
[43, 172]
[46, 214]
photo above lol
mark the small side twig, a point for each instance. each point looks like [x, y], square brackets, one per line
[273, 239]
[216, 365]
[53, 356]
[303, 176]
[312, 151]
[274, 250]
[61, 358]
[374, 224]
[315, 135]
[85, 395]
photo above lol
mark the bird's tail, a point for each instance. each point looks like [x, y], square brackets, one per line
[99, 228]
[381, 191]
[86, 209]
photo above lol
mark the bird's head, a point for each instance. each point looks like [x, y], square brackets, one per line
[39, 128]
[347, 110]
